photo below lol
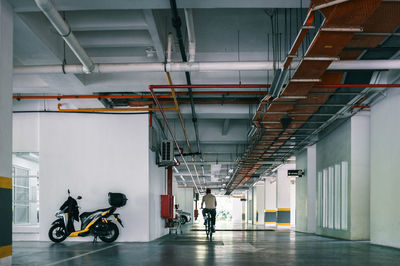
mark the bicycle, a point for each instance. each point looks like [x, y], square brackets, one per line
[208, 225]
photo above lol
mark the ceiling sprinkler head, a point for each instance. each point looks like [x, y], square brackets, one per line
[150, 52]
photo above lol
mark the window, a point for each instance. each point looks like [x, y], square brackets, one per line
[331, 198]
[332, 195]
[337, 197]
[344, 194]
[320, 199]
[25, 174]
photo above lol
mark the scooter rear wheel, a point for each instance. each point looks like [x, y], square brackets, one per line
[57, 233]
[113, 233]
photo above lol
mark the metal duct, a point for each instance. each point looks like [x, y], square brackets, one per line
[199, 67]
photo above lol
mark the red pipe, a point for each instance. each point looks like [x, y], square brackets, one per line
[226, 86]
[90, 97]
[169, 180]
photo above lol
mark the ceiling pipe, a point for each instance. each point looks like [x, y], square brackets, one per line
[191, 36]
[200, 67]
[135, 96]
[169, 47]
[65, 32]
[91, 110]
[176, 22]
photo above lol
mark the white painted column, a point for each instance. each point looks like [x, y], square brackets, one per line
[311, 188]
[270, 201]
[283, 196]
[259, 200]
[6, 68]
[244, 205]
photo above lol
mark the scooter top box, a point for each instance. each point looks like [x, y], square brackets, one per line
[117, 199]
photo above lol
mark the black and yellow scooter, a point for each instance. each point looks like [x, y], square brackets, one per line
[92, 223]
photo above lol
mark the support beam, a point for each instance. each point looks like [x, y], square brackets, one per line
[6, 63]
[225, 127]
[152, 28]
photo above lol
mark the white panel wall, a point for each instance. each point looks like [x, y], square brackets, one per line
[360, 176]
[157, 187]
[26, 132]
[184, 197]
[283, 186]
[306, 191]
[385, 175]
[93, 155]
[259, 199]
[343, 178]
[236, 210]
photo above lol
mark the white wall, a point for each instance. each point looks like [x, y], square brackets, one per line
[311, 188]
[236, 210]
[26, 132]
[360, 176]
[349, 143]
[184, 197]
[301, 193]
[157, 187]
[306, 190]
[93, 155]
[270, 193]
[385, 175]
[259, 199]
[283, 186]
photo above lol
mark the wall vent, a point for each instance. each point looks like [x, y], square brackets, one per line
[167, 153]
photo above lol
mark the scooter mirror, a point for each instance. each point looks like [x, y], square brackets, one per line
[68, 192]
[79, 197]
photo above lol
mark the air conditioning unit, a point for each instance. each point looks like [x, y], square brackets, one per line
[167, 153]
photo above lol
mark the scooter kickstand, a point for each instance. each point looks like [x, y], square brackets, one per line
[94, 240]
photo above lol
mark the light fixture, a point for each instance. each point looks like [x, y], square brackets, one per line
[227, 177]
[230, 171]
[183, 179]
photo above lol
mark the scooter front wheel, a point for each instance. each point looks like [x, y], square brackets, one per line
[57, 233]
[112, 233]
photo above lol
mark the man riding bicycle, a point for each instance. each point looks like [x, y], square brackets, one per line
[211, 203]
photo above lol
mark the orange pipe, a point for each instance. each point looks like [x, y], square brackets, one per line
[89, 97]
[112, 109]
[53, 97]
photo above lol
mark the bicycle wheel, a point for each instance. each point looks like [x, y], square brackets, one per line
[210, 228]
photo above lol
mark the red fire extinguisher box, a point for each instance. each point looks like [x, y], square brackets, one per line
[167, 206]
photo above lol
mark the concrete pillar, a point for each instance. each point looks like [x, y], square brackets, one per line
[259, 203]
[270, 201]
[244, 205]
[306, 186]
[250, 206]
[283, 196]
[6, 67]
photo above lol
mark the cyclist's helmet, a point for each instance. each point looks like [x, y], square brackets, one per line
[208, 190]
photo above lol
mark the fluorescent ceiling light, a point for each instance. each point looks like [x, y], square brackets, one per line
[227, 177]
[230, 171]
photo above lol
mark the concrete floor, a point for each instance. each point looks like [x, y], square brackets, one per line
[228, 248]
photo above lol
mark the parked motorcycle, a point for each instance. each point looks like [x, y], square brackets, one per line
[94, 223]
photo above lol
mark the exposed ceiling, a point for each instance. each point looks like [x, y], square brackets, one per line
[136, 31]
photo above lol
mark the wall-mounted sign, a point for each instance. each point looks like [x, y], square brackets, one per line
[297, 172]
